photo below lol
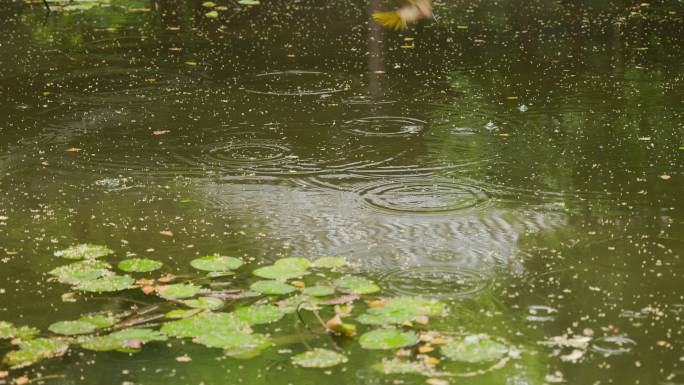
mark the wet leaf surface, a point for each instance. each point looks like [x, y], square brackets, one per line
[139, 265]
[216, 263]
[319, 358]
[84, 251]
[475, 349]
[387, 339]
[272, 287]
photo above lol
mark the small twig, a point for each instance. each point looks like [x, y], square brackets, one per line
[47, 5]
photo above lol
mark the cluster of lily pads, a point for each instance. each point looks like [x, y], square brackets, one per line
[223, 309]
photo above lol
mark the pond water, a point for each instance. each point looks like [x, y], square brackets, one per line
[520, 161]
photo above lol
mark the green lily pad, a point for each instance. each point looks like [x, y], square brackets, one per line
[72, 328]
[272, 287]
[387, 339]
[128, 340]
[9, 331]
[216, 263]
[289, 305]
[318, 291]
[319, 358]
[294, 262]
[259, 314]
[32, 351]
[106, 284]
[203, 323]
[475, 349]
[400, 310]
[139, 265]
[232, 340]
[209, 4]
[209, 303]
[100, 320]
[87, 270]
[248, 2]
[211, 15]
[182, 313]
[84, 251]
[281, 272]
[178, 291]
[330, 262]
[356, 285]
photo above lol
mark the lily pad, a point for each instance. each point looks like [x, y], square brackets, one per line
[32, 351]
[209, 303]
[203, 323]
[294, 262]
[84, 251]
[356, 285]
[9, 331]
[178, 291]
[216, 263]
[82, 271]
[319, 358]
[400, 310]
[259, 314]
[475, 349]
[72, 328]
[211, 14]
[233, 340]
[319, 291]
[128, 340]
[330, 262]
[271, 287]
[100, 320]
[387, 339]
[139, 265]
[106, 284]
[279, 272]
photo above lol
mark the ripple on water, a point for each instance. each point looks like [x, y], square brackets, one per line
[295, 83]
[255, 152]
[435, 281]
[384, 126]
[613, 345]
[422, 196]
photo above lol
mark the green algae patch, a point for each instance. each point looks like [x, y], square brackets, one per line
[475, 349]
[32, 351]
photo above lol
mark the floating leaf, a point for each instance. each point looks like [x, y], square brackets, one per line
[259, 314]
[9, 331]
[319, 291]
[209, 4]
[387, 339]
[139, 265]
[178, 291]
[203, 323]
[100, 320]
[182, 313]
[32, 351]
[209, 303]
[289, 305]
[294, 262]
[399, 366]
[233, 340]
[400, 310]
[212, 14]
[106, 284]
[72, 328]
[356, 285]
[279, 272]
[248, 2]
[216, 263]
[82, 271]
[330, 262]
[272, 287]
[84, 251]
[319, 358]
[128, 340]
[474, 349]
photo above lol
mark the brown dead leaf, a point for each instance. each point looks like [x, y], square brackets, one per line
[167, 278]
[4, 374]
[69, 297]
[166, 233]
[431, 361]
[160, 132]
[23, 380]
[377, 303]
[422, 319]
[425, 349]
[148, 289]
[73, 149]
[436, 381]
[183, 358]
[665, 177]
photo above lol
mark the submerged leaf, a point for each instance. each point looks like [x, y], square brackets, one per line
[356, 285]
[319, 358]
[9, 331]
[387, 339]
[139, 265]
[216, 263]
[271, 287]
[475, 349]
[128, 340]
[84, 251]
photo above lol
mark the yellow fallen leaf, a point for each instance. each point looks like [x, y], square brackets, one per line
[421, 319]
[377, 303]
[166, 233]
[299, 284]
[425, 349]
